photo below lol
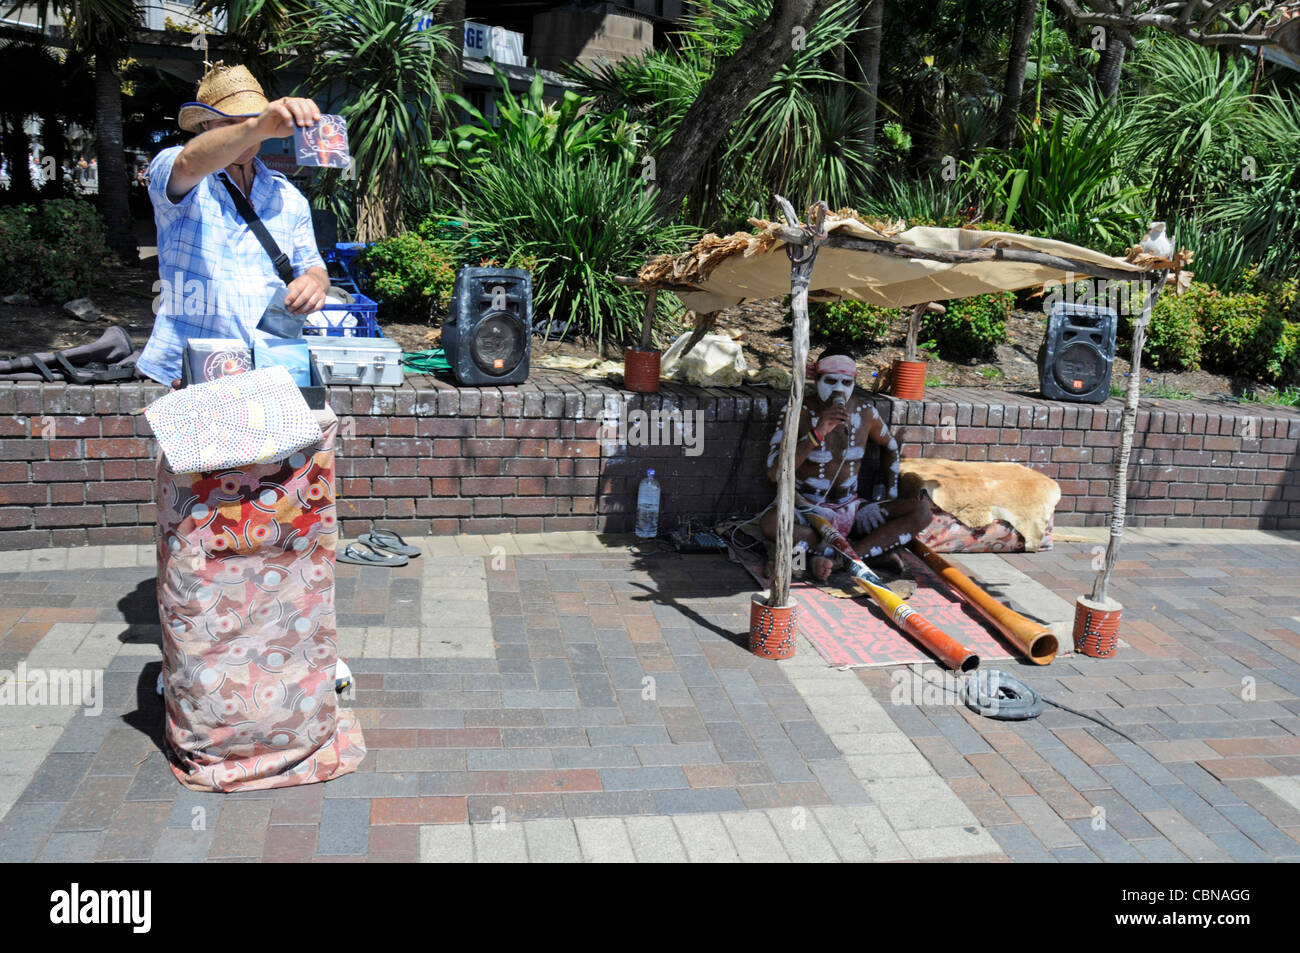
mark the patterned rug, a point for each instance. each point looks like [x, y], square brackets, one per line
[854, 633]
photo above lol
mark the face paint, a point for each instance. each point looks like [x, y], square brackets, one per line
[831, 385]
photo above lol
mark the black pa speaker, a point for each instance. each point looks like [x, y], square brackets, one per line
[487, 336]
[1078, 353]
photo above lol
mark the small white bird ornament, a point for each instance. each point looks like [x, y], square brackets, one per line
[1158, 243]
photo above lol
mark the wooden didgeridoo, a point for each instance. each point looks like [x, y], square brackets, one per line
[948, 650]
[1032, 638]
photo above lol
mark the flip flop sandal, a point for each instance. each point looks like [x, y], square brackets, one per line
[389, 541]
[363, 555]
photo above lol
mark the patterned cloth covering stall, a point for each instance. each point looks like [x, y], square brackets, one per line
[246, 599]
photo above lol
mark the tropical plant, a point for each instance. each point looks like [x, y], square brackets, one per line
[410, 275]
[577, 222]
[568, 125]
[800, 136]
[375, 62]
[1064, 181]
[970, 328]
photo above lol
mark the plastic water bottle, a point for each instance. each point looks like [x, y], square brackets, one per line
[647, 507]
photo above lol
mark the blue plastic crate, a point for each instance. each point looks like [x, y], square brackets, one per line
[336, 312]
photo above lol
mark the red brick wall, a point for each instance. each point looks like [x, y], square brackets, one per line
[76, 465]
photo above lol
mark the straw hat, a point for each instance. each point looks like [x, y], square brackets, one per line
[225, 92]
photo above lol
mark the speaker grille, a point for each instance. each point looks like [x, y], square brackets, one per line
[498, 344]
[1079, 367]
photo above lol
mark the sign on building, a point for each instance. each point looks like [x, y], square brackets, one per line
[502, 46]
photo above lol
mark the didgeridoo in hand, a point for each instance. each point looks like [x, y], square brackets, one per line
[948, 650]
[1032, 638]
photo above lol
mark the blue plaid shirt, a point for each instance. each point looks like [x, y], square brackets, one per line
[216, 278]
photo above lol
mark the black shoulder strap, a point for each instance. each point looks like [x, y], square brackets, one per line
[283, 267]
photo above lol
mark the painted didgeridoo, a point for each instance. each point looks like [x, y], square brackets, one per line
[948, 650]
[1034, 639]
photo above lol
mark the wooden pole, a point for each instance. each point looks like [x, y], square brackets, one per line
[648, 319]
[801, 269]
[1128, 426]
[914, 331]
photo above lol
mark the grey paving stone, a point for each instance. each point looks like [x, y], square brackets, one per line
[510, 759]
[697, 801]
[585, 657]
[539, 699]
[695, 753]
[668, 689]
[1106, 843]
[595, 690]
[374, 784]
[1261, 830]
[1193, 807]
[183, 814]
[1159, 850]
[154, 781]
[626, 673]
[1121, 815]
[642, 778]
[1020, 844]
[638, 710]
[839, 782]
[732, 742]
[1073, 768]
[84, 733]
[604, 756]
[551, 736]
[94, 804]
[582, 717]
[1144, 766]
[784, 760]
[1138, 793]
[628, 735]
[57, 777]
[1210, 788]
[183, 846]
[714, 704]
[1240, 848]
[760, 721]
[25, 828]
[609, 804]
[71, 847]
[811, 741]
[1075, 855]
[344, 826]
[740, 687]
[696, 671]
[959, 734]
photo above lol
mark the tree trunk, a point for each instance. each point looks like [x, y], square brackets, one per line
[113, 204]
[735, 82]
[1112, 62]
[871, 19]
[17, 145]
[801, 269]
[1128, 426]
[1021, 34]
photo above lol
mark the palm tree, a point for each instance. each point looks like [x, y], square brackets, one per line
[255, 26]
[102, 29]
[380, 71]
[1021, 33]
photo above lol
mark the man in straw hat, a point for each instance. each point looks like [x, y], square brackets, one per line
[217, 278]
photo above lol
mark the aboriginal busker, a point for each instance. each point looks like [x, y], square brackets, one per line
[217, 277]
[840, 437]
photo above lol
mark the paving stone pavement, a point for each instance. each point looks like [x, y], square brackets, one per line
[565, 697]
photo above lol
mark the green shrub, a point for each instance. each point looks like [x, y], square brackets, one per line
[853, 321]
[53, 252]
[579, 223]
[410, 275]
[1174, 333]
[971, 328]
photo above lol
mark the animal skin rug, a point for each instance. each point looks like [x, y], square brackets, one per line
[977, 493]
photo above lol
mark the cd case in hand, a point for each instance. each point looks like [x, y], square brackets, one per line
[323, 143]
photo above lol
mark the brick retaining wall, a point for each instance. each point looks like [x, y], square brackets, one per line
[76, 465]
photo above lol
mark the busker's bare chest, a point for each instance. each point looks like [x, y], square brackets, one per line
[838, 461]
